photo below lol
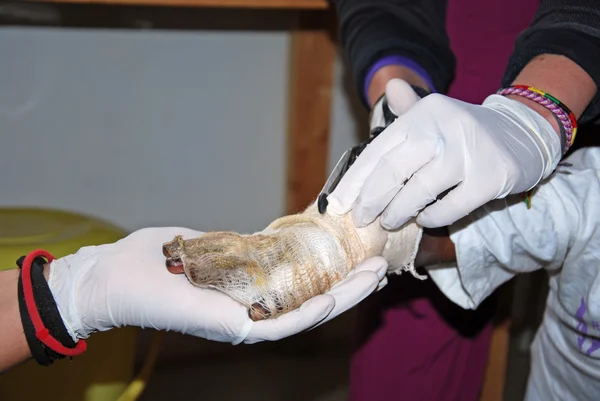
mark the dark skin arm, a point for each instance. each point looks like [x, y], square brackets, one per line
[435, 250]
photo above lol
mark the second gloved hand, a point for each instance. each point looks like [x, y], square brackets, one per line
[127, 284]
[487, 151]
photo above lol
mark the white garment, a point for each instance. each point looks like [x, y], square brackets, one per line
[560, 233]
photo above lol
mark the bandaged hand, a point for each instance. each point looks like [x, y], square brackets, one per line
[127, 284]
[487, 151]
[295, 258]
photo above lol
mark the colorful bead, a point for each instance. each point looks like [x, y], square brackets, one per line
[528, 195]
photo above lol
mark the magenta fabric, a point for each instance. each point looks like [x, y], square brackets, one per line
[414, 344]
[482, 36]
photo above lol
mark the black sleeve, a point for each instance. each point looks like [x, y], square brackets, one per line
[566, 27]
[416, 29]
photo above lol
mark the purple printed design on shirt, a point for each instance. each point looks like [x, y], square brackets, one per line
[396, 60]
[582, 327]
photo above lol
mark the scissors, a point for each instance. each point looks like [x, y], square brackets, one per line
[349, 157]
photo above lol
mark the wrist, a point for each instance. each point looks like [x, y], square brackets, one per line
[47, 271]
[376, 84]
[435, 249]
[64, 289]
[539, 109]
[539, 147]
[557, 84]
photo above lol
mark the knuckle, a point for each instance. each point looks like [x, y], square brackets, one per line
[435, 100]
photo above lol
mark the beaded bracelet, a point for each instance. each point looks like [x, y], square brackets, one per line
[566, 118]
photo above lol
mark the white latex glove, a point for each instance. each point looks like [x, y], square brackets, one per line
[127, 284]
[499, 148]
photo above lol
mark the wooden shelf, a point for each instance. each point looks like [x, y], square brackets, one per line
[255, 4]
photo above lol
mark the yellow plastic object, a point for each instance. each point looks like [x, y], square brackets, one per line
[102, 373]
[138, 385]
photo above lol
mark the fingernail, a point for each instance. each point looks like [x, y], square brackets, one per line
[385, 223]
[427, 223]
[363, 222]
[362, 216]
[381, 272]
[390, 224]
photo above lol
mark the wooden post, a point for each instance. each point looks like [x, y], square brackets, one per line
[312, 62]
[495, 372]
[246, 4]
[494, 381]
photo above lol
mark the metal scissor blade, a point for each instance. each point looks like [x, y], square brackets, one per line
[334, 178]
[342, 166]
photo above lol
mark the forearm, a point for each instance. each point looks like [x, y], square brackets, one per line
[559, 53]
[435, 250]
[415, 30]
[13, 345]
[560, 77]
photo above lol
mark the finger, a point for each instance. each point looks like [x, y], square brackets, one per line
[421, 189]
[343, 197]
[362, 281]
[400, 96]
[457, 204]
[375, 264]
[389, 176]
[308, 315]
[350, 292]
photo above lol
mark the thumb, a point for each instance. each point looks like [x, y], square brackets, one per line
[400, 96]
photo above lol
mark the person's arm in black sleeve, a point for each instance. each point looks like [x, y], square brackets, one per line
[567, 30]
[413, 32]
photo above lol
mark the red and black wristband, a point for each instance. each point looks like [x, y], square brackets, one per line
[45, 331]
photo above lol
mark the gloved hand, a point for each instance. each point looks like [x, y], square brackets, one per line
[491, 150]
[398, 98]
[127, 284]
